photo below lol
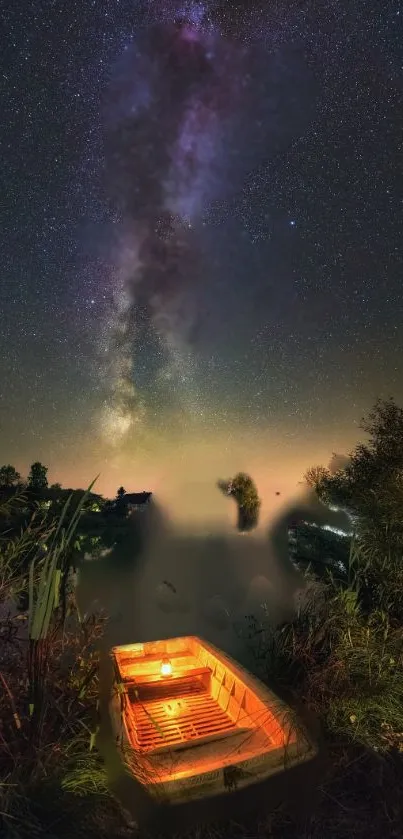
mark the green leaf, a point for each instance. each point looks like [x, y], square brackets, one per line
[57, 578]
[31, 603]
[93, 738]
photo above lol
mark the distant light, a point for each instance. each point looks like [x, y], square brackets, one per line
[293, 223]
[336, 530]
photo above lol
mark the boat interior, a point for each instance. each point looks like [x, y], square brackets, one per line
[182, 694]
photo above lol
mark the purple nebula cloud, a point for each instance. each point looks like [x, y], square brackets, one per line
[179, 115]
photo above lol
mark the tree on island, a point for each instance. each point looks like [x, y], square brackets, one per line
[243, 489]
[37, 478]
[9, 476]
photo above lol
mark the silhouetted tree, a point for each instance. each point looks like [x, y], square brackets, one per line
[37, 479]
[55, 487]
[315, 475]
[9, 476]
[242, 488]
[374, 468]
[120, 506]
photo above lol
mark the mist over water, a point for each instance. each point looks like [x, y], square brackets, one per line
[211, 584]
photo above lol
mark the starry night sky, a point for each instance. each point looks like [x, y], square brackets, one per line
[201, 237]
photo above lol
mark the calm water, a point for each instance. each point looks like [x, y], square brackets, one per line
[203, 584]
[189, 584]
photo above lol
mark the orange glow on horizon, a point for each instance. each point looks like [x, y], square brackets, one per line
[182, 471]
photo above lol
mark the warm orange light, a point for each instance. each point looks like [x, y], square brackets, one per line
[166, 667]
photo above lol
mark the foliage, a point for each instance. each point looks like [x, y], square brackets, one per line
[48, 753]
[346, 666]
[243, 490]
[370, 487]
[37, 478]
[9, 476]
[315, 475]
[120, 493]
[373, 467]
[342, 657]
[48, 675]
[18, 547]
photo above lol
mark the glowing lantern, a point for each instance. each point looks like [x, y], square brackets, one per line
[166, 667]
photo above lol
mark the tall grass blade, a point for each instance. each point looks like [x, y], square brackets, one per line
[31, 600]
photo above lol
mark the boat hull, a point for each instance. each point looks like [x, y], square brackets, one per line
[259, 735]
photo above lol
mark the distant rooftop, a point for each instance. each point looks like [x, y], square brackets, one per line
[137, 498]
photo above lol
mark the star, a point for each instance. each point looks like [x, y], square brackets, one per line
[152, 290]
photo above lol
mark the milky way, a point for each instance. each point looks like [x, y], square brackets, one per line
[167, 107]
[274, 131]
[176, 100]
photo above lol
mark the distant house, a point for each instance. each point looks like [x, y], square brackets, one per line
[136, 500]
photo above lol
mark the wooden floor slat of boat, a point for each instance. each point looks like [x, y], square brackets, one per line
[146, 693]
[179, 720]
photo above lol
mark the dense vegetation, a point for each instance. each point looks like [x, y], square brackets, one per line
[341, 658]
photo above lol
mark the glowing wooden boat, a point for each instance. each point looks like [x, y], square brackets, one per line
[194, 723]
